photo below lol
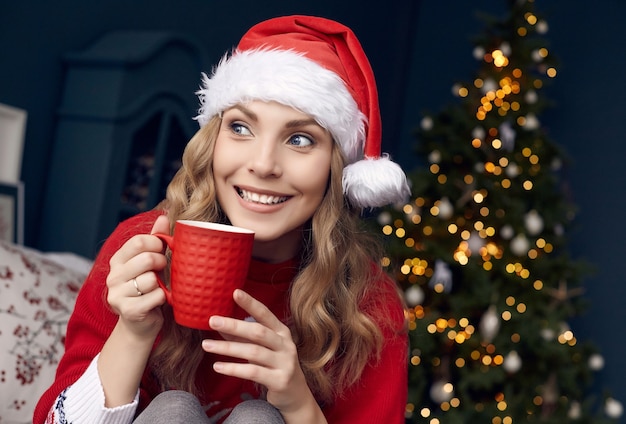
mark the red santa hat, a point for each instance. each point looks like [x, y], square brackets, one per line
[317, 66]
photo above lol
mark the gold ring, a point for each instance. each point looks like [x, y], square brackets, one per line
[139, 293]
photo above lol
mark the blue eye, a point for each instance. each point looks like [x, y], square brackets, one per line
[239, 129]
[300, 141]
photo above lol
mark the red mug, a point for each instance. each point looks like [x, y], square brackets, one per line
[209, 261]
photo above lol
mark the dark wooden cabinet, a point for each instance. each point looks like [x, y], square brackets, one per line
[125, 117]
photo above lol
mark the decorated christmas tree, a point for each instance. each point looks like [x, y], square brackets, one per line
[481, 250]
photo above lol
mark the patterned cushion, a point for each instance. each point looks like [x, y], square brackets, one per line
[37, 296]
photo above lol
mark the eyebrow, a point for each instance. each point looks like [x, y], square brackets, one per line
[246, 112]
[291, 124]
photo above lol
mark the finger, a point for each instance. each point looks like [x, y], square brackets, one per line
[142, 284]
[126, 301]
[161, 225]
[135, 245]
[246, 371]
[143, 303]
[253, 332]
[258, 311]
[142, 314]
[273, 378]
[252, 353]
[141, 263]
[142, 242]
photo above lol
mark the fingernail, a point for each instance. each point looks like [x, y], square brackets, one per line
[207, 344]
[216, 322]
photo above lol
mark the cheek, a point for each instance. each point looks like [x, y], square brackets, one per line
[224, 159]
[314, 178]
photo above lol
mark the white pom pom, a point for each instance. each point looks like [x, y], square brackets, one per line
[375, 182]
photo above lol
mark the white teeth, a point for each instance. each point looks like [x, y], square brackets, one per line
[264, 199]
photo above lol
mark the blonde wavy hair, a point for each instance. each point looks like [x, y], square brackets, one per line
[334, 337]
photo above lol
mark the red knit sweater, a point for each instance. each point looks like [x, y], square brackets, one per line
[379, 396]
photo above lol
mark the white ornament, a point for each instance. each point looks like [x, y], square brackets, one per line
[507, 232]
[475, 242]
[542, 27]
[559, 230]
[506, 49]
[434, 156]
[556, 164]
[547, 334]
[507, 136]
[575, 411]
[414, 295]
[456, 88]
[512, 170]
[384, 218]
[512, 362]
[479, 133]
[532, 123]
[533, 223]
[489, 324]
[531, 97]
[536, 56]
[478, 53]
[445, 208]
[427, 123]
[489, 85]
[520, 245]
[441, 275]
[441, 391]
[613, 408]
[596, 362]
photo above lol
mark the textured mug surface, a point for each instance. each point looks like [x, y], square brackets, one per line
[209, 261]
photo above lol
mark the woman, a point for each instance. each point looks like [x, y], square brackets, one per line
[289, 146]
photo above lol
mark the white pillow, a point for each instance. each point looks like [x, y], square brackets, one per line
[36, 299]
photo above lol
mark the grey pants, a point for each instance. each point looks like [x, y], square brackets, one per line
[180, 407]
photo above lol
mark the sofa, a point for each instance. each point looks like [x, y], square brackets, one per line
[37, 294]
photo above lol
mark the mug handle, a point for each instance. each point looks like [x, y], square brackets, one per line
[169, 240]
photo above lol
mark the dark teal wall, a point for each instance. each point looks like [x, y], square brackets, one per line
[589, 120]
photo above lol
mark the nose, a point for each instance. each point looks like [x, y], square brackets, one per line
[264, 160]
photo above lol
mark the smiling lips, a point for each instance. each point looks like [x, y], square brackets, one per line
[263, 199]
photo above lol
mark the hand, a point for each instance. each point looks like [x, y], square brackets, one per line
[271, 355]
[138, 259]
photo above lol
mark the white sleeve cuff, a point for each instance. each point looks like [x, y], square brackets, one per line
[84, 401]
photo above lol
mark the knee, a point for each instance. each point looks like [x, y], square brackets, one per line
[175, 396]
[255, 411]
[170, 404]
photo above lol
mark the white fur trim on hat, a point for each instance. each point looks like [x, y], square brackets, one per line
[289, 78]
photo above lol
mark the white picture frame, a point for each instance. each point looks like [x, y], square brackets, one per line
[12, 212]
[12, 131]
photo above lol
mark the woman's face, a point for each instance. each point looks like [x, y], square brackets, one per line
[271, 167]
